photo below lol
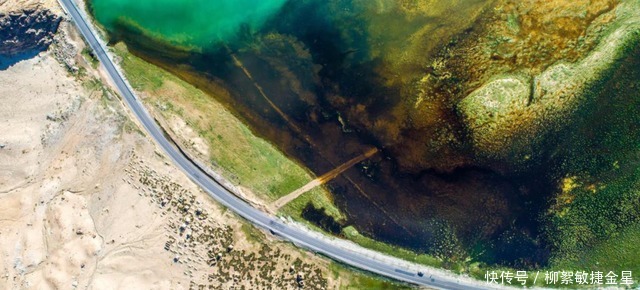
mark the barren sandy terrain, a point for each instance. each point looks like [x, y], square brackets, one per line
[68, 219]
[13, 5]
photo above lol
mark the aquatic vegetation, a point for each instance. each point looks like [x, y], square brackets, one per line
[513, 117]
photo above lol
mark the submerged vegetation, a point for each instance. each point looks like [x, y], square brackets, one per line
[508, 130]
[247, 160]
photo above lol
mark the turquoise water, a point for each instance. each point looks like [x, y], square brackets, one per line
[310, 55]
[187, 22]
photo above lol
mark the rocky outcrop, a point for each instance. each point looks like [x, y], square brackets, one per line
[507, 118]
[496, 94]
[26, 31]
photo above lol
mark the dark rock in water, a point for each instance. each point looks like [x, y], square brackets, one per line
[25, 33]
[27, 30]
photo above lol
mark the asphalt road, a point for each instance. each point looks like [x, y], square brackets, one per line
[294, 234]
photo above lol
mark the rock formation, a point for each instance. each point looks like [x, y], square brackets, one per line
[507, 118]
[27, 26]
[26, 31]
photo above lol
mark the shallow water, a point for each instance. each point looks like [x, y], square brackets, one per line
[198, 23]
[306, 54]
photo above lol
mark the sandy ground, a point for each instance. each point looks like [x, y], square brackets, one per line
[13, 5]
[67, 218]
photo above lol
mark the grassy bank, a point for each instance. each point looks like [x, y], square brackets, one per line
[243, 158]
[319, 198]
[250, 161]
[359, 280]
[353, 235]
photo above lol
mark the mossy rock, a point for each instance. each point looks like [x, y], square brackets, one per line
[494, 101]
[508, 118]
[491, 111]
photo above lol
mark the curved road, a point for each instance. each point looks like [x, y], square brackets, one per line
[228, 199]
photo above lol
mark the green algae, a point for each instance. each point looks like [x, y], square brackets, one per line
[193, 22]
